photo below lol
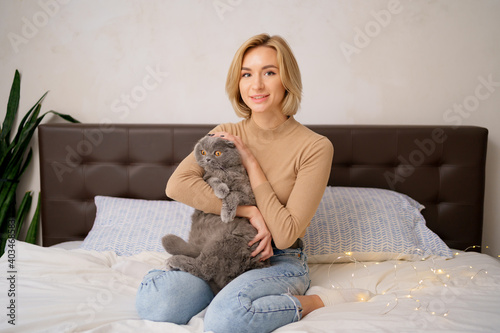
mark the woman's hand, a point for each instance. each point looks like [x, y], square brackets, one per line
[263, 235]
[252, 213]
[246, 155]
[249, 161]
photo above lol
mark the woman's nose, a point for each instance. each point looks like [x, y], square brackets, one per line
[258, 83]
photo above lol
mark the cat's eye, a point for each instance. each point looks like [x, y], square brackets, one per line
[217, 153]
[203, 152]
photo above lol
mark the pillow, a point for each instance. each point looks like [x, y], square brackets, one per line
[369, 224]
[131, 226]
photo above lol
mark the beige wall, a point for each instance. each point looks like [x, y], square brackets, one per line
[363, 62]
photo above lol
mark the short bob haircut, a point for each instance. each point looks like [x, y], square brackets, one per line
[289, 74]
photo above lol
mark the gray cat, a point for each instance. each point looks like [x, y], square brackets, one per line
[217, 250]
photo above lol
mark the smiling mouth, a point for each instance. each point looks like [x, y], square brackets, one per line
[257, 97]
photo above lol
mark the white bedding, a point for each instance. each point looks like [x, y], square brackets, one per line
[60, 290]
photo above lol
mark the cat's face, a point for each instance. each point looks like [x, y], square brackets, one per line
[216, 153]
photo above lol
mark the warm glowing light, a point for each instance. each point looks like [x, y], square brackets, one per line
[436, 271]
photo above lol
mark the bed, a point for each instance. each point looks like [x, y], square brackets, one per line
[104, 210]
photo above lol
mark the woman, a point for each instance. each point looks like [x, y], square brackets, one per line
[288, 166]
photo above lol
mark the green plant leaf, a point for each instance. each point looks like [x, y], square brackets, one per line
[22, 212]
[8, 202]
[15, 157]
[33, 228]
[7, 212]
[12, 107]
[66, 117]
[27, 118]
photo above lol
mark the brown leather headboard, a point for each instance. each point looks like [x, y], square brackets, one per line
[441, 167]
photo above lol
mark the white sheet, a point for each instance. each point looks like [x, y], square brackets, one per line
[59, 290]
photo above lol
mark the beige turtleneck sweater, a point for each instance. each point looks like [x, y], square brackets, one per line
[296, 162]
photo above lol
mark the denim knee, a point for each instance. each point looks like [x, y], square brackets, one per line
[172, 296]
[236, 317]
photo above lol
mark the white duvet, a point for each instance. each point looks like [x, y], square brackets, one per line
[58, 290]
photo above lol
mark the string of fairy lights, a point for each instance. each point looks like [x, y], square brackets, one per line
[438, 276]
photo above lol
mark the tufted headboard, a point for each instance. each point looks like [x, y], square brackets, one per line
[441, 167]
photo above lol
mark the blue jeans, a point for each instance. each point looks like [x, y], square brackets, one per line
[259, 300]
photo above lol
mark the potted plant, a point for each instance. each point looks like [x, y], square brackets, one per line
[14, 159]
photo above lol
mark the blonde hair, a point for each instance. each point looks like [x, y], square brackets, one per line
[288, 69]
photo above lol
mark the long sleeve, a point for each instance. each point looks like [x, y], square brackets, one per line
[289, 221]
[186, 185]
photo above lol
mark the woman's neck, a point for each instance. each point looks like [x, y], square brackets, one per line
[268, 121]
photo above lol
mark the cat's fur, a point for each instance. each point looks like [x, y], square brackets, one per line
[217, 250]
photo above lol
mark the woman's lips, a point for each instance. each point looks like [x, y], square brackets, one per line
[259, 98]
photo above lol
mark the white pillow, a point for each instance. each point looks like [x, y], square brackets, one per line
[131, 226]
[369, 224]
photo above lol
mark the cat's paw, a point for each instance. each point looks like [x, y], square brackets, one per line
[221, 191]
[174, 263]
[227, 215]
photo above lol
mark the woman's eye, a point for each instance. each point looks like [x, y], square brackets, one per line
[217, 153]
[203, 152]
[270, 73]
[245, 75]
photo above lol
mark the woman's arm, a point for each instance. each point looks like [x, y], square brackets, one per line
[288, 222]
[253, 214]
[291, 220]
[186, 185]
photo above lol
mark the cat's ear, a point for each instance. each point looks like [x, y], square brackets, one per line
[197, 146]
[230, 144]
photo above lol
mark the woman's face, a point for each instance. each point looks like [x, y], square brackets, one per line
[260, 82]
